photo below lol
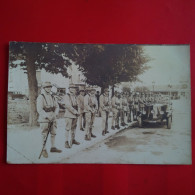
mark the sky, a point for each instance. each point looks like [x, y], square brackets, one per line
[170, 64]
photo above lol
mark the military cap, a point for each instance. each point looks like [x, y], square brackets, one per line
[81, 88]
[93, 89]
[88, 89]
[46, 84]
[106, 89]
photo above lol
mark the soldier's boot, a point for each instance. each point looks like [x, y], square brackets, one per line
[103, 132]
[75, 142]
[81, 129]
[113, 128]
[87, 138]
[67, 145]
[118, 127]
[92, 135]
[44, 153]
[54, 149]
[107, 131]
[122, 124]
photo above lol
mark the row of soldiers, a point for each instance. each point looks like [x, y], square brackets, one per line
[85, 106]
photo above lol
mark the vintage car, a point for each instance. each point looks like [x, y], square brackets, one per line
[156, 113]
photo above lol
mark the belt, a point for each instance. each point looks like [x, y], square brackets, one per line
[51, 109]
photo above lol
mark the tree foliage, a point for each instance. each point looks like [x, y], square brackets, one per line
[105, 65]
[42, 55]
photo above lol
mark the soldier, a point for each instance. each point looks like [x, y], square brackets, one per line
[136, 105]
[142, 102]
[115, 111]
[130, 103]
[48, 108]
[91, 107]
[71, 116]
[124, 107]
[105, 110]
[119, 114]
[127, 110]
[80, 100]
[148, 98]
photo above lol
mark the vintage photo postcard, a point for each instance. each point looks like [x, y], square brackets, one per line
[98, 103]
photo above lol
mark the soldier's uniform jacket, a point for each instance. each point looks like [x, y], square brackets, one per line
[130, 101]
[90, 103]
[104, 103]
[136, 102]
[124, 103]
[115, 103]
[141, 102]
[80, 100]
[47, 106]
[71, 105]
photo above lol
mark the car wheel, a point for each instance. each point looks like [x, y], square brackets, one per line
[169, 123]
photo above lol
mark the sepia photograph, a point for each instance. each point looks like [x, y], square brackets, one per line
[98, 104]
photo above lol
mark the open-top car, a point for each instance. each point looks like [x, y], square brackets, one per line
[156, 113]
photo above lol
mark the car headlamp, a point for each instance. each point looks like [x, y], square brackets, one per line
[152, 111]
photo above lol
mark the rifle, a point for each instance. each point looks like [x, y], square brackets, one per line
[45, 141]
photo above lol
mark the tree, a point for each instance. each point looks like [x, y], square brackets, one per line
[105, 65]
[34, 56]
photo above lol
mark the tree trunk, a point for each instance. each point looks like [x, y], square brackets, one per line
[33, 91]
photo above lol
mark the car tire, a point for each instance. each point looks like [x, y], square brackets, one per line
[169, 123]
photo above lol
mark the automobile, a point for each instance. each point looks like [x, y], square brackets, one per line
[156, 113]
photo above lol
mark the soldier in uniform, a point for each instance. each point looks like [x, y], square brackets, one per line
[115, 111]
[48, 108]
[130, 104]
[142, 102]
[90, 109]
[124, 109]
[136, 106]
[71, 116]
[80, 100]
[105, 110]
